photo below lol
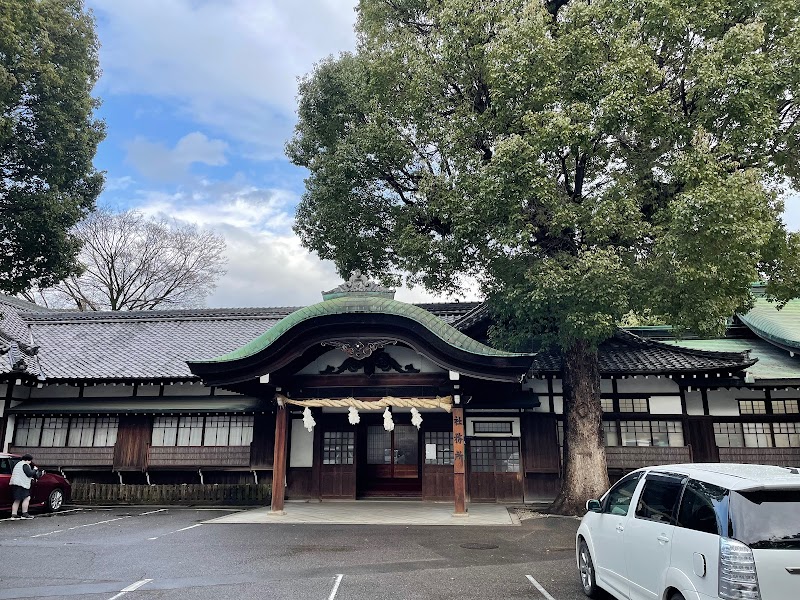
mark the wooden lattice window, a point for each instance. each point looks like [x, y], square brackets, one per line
[443, 440]
[338, 447]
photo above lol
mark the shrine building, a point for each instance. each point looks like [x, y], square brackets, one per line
[364, 396]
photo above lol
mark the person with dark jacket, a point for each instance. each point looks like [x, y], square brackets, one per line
[20, 485]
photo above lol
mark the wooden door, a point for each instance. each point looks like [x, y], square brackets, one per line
[392, 461]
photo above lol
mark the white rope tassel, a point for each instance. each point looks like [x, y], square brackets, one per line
[308, 419]
[353, 416]
[388, 424]
[416, 418]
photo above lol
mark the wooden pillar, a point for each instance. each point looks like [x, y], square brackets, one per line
[459, 463]
[279, 460]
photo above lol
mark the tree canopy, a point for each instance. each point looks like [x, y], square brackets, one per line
[130, 262]
[48, 137]
[580, 159]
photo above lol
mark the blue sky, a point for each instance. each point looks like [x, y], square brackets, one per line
[199, 100]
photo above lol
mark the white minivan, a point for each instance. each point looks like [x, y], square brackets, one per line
[694, 532]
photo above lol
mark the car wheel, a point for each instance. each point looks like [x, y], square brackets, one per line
[55, 500]
[586, 567]
[676, 596]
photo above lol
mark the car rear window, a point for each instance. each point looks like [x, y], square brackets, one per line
[766, 519]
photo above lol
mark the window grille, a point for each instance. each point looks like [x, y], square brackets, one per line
[81, 432]
[105, 432]
[752, 407]
[54, 432]
[784, 407]
[607, 405]
[787, 435]
[633, 405]
[610, 434]
[338, 447]
[29, 431]
[757, 435]
[190, 431]
[728, 435]
[241, 430]
[217, 431]
[652, 433]
[492, 427]
[379, 445]
[444, 447]
[165, 431]
[494, 455]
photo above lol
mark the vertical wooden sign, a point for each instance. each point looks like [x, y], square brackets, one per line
[459, 463]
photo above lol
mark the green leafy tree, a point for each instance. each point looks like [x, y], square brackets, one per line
[48, 137]
[582, 160]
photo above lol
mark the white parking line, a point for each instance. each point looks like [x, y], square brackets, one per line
[98, 523]
[131, 588]
[176, 531]
[335, 587]
[539, 587]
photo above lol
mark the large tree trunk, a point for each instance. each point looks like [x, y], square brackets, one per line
[585, 471]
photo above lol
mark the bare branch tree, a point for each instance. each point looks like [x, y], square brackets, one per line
[131, 262]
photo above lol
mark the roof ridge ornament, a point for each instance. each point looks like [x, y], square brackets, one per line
[359, 285]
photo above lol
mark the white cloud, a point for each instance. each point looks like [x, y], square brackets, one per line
[229, 65]
[155, 161]
[267, 265]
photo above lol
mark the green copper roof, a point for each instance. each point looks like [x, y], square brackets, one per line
[781, 327]
[367, 304]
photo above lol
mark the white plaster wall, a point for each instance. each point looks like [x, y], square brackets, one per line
[108, 391]
[665, 405]
[537, 385]
[301, 450]
[3, 390]
[21, 391]
[221, 392]
[793, 393]
[404, 356]
[55, 391]
[651, 385]
[187, 389]
[606, 386]
[694, 403]
[558, 405]
[722, 403]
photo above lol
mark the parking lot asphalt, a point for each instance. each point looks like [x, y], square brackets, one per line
[146, 553]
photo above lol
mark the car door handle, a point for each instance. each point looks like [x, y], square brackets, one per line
[663, 539]
[620, 528]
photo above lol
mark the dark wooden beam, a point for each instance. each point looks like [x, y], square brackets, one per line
[279, 464]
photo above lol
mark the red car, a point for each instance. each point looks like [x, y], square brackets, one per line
[51, 491]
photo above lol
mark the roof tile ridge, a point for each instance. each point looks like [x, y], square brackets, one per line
[157, 315]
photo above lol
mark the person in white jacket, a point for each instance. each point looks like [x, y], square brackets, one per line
[21, 477]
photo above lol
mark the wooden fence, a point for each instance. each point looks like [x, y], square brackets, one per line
[249, 494]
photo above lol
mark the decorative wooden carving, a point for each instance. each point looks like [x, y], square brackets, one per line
[358, 283]
[378, 360]
[358, 349]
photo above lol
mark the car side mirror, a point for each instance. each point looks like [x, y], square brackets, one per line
[593, 506]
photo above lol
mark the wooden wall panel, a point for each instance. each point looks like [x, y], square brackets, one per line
[133, 440]
[437, 482]
[338, 481]
[300, 483]
[540, 487]
[781, 457]
[199, 456]
[540, 444]
[54, 458]
[508, 487]
[481, 487]
[263, 447]
[700, 436]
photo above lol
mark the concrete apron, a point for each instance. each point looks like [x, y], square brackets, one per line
[375, 512]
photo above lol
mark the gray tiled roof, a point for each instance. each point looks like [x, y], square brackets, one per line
[629, 353]
[16, 353]
[153, 344]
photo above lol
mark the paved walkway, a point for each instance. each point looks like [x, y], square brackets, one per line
[375, 512]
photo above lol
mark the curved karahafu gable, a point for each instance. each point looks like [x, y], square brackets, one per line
[356, 317]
